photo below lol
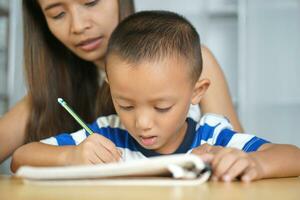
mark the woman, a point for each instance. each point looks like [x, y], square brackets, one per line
[65, 45]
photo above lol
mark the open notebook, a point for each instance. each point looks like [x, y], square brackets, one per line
[180, 169]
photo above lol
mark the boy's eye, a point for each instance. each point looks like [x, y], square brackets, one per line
[127, 108]
[163, 109]
[91, 3]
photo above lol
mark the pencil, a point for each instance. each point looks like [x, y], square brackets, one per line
[74, 115]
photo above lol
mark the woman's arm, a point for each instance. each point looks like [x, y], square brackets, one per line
[12, 128]
[39, 154]
[217, 98]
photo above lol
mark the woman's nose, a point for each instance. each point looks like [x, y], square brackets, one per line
[80, 21]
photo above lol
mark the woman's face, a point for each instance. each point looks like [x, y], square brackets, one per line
[84, 26]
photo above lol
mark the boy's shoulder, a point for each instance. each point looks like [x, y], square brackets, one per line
[213, 120]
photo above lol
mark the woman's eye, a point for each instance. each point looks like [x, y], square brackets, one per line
[60, 15]
[163, 109]
[91, 3]
[127, 108]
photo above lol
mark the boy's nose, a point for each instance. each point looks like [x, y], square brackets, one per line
[143, 123]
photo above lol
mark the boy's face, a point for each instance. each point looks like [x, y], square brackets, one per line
[152, 100]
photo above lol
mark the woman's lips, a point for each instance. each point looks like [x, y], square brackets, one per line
[148, 141]
[90, 44]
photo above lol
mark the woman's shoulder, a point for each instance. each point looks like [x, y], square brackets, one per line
[16, 118]
[19, 110]
[208, 57]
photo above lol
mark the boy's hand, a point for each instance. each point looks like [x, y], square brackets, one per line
[229, 163]
[93, 150]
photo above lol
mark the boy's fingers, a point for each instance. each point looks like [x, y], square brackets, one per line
[109, 146]
[219, 155]
[105, 154]
[224, 164]
[120, 152]
[206, 148]
[249, 175]
[203, 149]
[236, 169]
[95, 159]
[207, 157]
[215, 149]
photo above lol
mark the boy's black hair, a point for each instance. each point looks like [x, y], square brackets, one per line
[155, 35]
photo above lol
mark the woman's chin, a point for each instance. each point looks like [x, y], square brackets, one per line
[94, 57]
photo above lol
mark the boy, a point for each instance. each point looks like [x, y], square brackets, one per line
[153, 67]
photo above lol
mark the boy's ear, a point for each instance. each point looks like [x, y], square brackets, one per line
[199, 90]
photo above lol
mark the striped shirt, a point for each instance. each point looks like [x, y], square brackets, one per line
[212, 129]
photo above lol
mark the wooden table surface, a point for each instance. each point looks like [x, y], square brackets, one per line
[274, 189]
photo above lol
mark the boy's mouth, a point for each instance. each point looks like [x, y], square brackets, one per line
[148, 141]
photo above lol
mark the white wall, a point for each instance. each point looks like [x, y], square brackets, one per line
[3, 55]
[16, 83]
[269, 68]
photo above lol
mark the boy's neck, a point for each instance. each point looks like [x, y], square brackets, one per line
[174, 144]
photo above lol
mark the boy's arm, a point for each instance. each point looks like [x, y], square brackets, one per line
[248, 157]
[95, 149]
[278, 160]
[269, 161]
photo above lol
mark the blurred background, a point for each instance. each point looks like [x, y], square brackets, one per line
[257, 44]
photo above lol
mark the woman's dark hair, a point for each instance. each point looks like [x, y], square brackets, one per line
[53, 71]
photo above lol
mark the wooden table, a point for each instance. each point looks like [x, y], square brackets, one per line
[274, 189]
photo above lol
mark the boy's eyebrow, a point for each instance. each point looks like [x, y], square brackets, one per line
[153, 100]
[52, 6]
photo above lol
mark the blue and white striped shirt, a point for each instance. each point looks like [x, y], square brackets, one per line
[212, 129]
